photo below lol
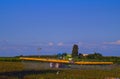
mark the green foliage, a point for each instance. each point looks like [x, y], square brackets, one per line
[94, 56]
[64, 54]
[48, 56]
[80, 55]
[112, 59]
[75, 51]
[98, 57]
[10, 59]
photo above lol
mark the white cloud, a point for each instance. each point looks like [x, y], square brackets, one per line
[80, 43]
[115, 42]
[50, 43]
[60, 44]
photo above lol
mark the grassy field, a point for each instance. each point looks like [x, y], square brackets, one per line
[10, 59]
[18, 70]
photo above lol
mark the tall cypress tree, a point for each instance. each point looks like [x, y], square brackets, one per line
[75, 51]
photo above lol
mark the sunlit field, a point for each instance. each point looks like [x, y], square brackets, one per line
[26, 70]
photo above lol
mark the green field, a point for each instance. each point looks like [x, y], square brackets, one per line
[10, 59]
[17, 70]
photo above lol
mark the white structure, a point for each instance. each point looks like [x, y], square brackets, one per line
[85, 55]
[54, 65]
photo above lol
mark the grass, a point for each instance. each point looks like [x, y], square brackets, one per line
[10, 59]
[17, 70]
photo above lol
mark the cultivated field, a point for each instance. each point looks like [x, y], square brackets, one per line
[36, 70]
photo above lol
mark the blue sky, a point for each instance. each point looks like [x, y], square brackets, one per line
[56, 25]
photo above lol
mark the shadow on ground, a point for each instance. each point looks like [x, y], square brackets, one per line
[21, 74]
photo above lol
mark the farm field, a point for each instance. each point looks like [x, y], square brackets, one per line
[36, 70]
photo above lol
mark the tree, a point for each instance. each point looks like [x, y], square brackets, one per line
[91, 56]
[95, 56]
[80, 55]
[75, 51]
[64, 54]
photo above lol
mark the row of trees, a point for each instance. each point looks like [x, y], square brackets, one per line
[80, 55]
[93, 57]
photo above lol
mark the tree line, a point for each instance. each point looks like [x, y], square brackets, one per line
[95, 56]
